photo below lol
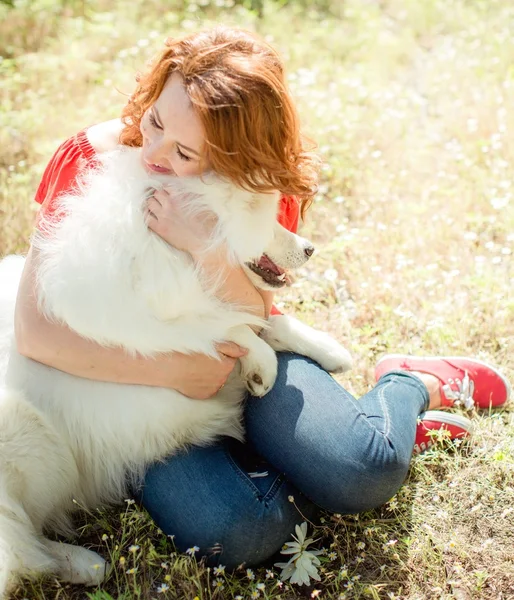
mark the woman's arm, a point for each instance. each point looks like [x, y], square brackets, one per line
[55, 345]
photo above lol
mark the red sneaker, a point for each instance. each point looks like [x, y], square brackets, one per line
[464, 381]
[458, 427]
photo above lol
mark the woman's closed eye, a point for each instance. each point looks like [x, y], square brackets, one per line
[153, 122]
[183, 156]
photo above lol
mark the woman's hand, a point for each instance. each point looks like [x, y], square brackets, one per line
[165, 216]
[200, 376]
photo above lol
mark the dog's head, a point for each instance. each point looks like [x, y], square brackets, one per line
[286, 251]
[247, 224]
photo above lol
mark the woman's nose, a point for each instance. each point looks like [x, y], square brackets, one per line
[156, 153]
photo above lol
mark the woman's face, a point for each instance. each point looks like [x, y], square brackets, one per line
[173, 136]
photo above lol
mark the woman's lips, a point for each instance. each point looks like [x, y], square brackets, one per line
[158, 169]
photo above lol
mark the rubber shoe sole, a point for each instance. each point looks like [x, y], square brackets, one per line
[458, 427]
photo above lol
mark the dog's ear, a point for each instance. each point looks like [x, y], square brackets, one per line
[249, 225]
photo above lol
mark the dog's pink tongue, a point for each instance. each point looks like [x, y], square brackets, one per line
[266, 263]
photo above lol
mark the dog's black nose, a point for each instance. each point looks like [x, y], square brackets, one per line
[309, 250]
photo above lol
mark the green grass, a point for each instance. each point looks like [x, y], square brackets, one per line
[411, 104]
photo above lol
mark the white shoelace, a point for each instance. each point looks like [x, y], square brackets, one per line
[463, 395]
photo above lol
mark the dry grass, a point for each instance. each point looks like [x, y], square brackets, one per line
[411, 103]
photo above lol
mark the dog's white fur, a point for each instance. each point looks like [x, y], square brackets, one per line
[67, 441]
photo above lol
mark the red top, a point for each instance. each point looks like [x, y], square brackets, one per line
[76, 153]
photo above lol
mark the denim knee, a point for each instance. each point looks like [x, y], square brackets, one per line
[361, 480]
[237, 538]
[249, 534]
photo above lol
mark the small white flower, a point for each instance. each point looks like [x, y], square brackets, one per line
[302, 565]
[192, 551]
[260, 586]
[219, 570]
[250, 574]
[218, 583]
[133, 549]
[269, 574]
[331, 275]
[163, 588]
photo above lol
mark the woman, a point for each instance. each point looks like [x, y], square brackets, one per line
[218, 100]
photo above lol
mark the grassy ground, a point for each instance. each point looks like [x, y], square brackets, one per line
[411, 103]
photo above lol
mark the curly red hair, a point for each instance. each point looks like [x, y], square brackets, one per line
[236, 83]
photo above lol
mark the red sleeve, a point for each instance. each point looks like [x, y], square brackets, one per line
[62, 171]
[288, 216]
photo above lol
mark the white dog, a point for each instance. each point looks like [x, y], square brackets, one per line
[67, 441]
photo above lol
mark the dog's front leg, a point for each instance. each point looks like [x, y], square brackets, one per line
[289, 334]
[259, 366]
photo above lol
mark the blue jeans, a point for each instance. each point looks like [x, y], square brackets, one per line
[307, 438]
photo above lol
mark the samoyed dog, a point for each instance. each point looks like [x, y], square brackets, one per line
[67, 441]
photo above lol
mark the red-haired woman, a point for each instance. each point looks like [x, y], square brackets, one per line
[218, 100]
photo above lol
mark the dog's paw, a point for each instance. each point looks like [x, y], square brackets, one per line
[259, 371]
[332, 356]
[338, 362]
[79, 565]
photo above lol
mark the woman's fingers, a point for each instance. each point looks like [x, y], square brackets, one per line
[151, 209]
[148, 215]
[160, 196]
[154, 203]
